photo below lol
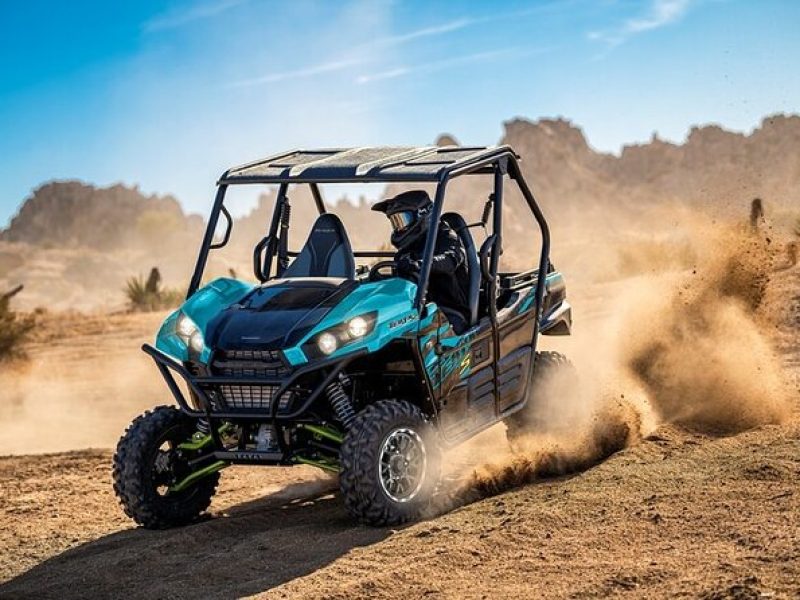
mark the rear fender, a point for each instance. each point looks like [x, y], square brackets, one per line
[558, 321]
[556, 311]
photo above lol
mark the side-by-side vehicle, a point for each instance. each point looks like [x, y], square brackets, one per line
[329, 358]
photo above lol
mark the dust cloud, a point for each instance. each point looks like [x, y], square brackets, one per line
[702, 354]
[85, 380]
[681, 339]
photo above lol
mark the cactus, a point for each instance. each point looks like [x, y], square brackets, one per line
[14, 328]
[147, 295]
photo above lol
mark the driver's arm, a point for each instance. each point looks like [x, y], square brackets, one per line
[449, 254]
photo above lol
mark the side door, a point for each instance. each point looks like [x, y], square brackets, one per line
[513, 308]
[465, 384]
[515, 324]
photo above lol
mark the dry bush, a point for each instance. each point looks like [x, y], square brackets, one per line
[147, 295]
[14, 331]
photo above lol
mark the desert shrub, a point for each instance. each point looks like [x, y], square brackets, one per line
[147, 295]
[14, 331]
[797, 227]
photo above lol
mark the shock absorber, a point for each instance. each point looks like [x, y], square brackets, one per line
[283, 239]
[340, 402]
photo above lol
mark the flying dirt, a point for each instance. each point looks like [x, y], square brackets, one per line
[687, 348]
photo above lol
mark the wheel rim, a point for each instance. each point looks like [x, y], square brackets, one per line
[402, 464]
[167, 463]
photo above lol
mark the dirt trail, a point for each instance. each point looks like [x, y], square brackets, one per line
[684, 512]
[678, 514]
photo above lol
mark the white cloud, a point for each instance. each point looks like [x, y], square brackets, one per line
[365, 52]
[441, 65]
[663, 12]
[179, 17]
[660, 14]
[388, 74]
[465, 22]
[304, 72]
[426, 32]
[339, 65]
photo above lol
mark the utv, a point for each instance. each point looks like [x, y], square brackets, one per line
[350, 369]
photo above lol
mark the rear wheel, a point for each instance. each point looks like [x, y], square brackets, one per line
[148, 463]
[390, 463]
[547, 406]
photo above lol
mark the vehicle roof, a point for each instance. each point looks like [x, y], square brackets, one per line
[381, 163]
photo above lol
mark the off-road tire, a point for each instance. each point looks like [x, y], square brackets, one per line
[133, 468]
[359, 479]
[528, 420]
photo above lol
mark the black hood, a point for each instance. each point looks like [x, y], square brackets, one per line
[277, 314]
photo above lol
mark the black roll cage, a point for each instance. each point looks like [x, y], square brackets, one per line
[497, 161]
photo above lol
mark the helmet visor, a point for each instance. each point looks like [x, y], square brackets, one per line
[401, 220]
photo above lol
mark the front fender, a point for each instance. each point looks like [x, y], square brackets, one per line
[201, 307]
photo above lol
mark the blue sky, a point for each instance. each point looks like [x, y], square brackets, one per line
[167, 94]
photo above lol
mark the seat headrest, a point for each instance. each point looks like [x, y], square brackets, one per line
[326, 253]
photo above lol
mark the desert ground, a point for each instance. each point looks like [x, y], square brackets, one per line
[674, 476]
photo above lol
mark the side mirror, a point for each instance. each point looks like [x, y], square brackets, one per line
[226, 236]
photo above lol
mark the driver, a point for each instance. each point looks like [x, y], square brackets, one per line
[409, 214]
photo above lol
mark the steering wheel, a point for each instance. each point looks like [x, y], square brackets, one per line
[374, 271]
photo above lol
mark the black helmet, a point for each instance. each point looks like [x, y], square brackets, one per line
[410, 215]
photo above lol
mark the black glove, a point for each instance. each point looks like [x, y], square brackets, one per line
[408, 268]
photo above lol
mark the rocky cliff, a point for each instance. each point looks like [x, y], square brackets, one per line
[75, 244]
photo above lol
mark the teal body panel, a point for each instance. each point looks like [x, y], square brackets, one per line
[391, 300]
[453, 358]
[430, 329]
[550, 280]
[456, 352]
[433, 330]
[203, 306]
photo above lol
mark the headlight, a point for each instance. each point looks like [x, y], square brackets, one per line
[196, 341]
[357, 327]
[190, 333]
[327, 343]
[334, 338]
[185, 327]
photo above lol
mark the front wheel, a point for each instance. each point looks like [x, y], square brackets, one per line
[390, 464]
[148, 462]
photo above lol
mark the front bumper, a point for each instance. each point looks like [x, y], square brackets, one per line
[284, 405]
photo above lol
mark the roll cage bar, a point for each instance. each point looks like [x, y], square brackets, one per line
[410, 165]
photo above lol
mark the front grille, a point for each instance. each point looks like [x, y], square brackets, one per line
[265, 364]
